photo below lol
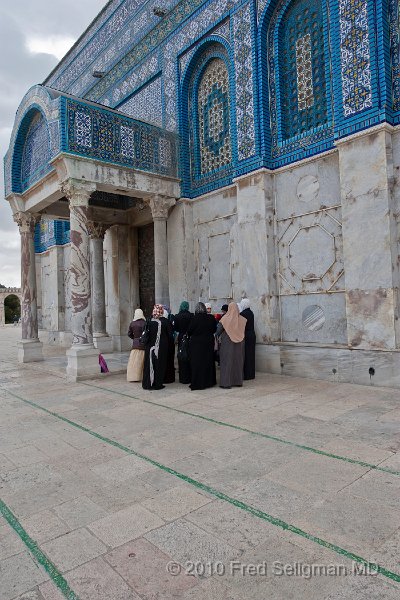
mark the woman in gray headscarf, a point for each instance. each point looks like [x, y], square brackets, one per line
[249, 368]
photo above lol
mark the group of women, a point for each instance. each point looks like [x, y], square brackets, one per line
[202, 339]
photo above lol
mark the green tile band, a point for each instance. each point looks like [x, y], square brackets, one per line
[36, 552]
[273, 438]
[372, 567]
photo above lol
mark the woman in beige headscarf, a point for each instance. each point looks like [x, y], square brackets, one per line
[136, 358]
[231, 331]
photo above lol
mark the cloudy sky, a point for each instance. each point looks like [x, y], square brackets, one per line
[34, 36]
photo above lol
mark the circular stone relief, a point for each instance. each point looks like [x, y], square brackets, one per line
[313, 317]
[308, 188]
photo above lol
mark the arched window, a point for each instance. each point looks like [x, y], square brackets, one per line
[301, 58]
[209, 115]
[36, 152]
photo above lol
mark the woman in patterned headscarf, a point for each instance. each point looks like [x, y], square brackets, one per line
[156, 351]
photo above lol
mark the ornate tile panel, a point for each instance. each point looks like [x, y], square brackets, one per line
[292, 76]
[305, 88]
[111, 137]
[51, 233]
[355, 56]
[147, 44]
[145, 71]
[222, 30]
[261, 4]
[394, 17]
[85, 39]
[83, 129]
[209, 143]
[242, 28]
[131, 21]
[146, 105]
[183, 38]
[214, 117]
[36, 152]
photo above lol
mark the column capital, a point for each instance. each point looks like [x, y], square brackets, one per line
[160, 206]
[97, 230]
[26, 221]
[77, 191]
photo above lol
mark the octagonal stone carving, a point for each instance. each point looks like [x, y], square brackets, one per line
[312, 252]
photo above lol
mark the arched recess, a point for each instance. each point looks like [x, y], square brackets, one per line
[208, 151]
[296, 90]
[31, 151]
[12, 307]
[38, 103]
[7, 293]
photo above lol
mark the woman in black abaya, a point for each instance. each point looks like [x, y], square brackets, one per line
[201, 349]
[156, 351]
[249, 368]
[181, 324]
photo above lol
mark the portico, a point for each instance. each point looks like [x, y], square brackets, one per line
[105, 203]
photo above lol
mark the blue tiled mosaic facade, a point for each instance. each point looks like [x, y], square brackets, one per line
[301, 75]
[51, 233]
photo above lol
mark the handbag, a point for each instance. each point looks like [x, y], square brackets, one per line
[183, 350]
[145, 337]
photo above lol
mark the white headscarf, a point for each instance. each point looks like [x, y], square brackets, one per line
[138, 315]
[243, 304]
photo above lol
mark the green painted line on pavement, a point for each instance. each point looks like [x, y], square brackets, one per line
[372, 567]
[36, 552]
[273, 438]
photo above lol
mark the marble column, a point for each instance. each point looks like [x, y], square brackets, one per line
[29, 348]
[160, 207]
[101, 340]
[82, 356]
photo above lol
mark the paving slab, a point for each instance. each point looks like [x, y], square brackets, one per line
[19, 574]
[145, 568]
[125, 525]
[73, 549]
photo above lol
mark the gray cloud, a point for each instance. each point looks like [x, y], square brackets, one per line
[19, 70]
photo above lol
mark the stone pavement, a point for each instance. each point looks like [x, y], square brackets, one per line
[280, 490]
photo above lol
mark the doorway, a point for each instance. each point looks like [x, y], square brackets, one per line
[12, 309]
[146, 268]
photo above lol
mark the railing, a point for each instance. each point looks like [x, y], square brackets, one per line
[106, 135]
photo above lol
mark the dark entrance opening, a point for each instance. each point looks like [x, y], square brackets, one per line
[146, 268]
[12, 309]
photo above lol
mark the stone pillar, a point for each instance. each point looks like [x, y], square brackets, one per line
[101, 340]
[29, 348]
[369, 239]
[254, 262]
[160, 206]
[82, 356]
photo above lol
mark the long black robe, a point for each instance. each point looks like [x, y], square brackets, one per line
[160, 363]
[201, 351]
[181, 324]
[249, 368]
[170, 370]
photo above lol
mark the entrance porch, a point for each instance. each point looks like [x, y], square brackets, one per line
[115, 181]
